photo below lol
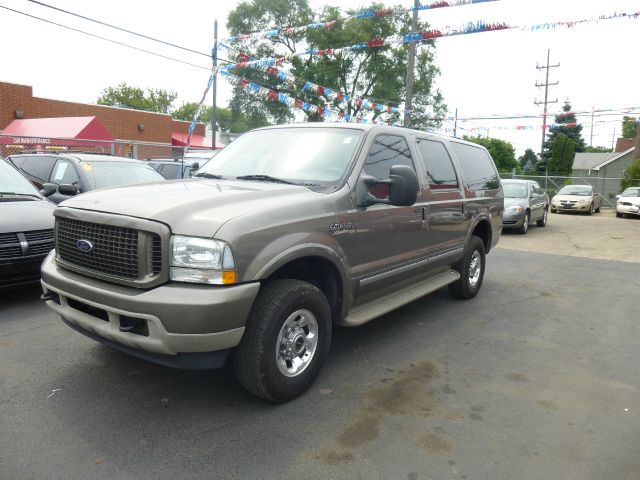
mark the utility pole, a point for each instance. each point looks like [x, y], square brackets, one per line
[546, 86]
[455, 125]
[411, 64]
[214, 113]
[591, 136]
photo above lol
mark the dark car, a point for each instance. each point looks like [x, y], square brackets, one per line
[26, 228]
[62, 176]
[173, 169]
[524, 203]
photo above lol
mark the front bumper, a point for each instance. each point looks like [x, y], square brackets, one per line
[514, 220]
[168, 321]
[570, 208]
[628, 209]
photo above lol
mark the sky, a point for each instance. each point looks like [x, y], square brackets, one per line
[483, 74]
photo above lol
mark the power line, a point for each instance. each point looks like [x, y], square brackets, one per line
[106, 39]
[119, 28]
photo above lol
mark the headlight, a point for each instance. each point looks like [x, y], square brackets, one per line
[514, 209]
[582, 202]
[201, 260]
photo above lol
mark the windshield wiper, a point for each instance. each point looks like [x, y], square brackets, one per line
[265, 178]
[208, 175]
[16, 194]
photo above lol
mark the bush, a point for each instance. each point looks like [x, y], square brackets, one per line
[631, 176]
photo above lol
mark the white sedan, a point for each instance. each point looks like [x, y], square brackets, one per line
[628, 202]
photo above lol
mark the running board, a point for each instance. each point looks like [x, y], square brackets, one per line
[369, 311]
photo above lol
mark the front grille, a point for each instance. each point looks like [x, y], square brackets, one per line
[40, 249]
[114, 252]
[6, 238]
[156, 254]
[40, 236]
[10, 251]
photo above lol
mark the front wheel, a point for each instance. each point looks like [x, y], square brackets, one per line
[471, 269]
[619, 215]
[543, 221]
[286, 340]
[591, 210]
[524, 228]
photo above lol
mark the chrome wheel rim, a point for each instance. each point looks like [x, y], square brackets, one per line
[544, 217]
[297, 342]
[475, 267]
[525, 223]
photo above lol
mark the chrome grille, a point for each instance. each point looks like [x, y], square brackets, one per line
[114, 252]
[156, 254]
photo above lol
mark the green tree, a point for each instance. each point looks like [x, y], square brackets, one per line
[631, 177]
[589, 149]
[629, 127]
[528, 161]
[503, 153]
[226, 120]
[127, 96]
[566, 124]
[562, 156]
[375, 73]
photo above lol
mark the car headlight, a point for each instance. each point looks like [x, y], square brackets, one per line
[201, 260]
[513, 209]
[582, 202]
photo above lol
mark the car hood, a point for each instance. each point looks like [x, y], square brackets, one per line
[197, 207]
[510, 202]
[25, 216]
[571, 198]
[632, 200]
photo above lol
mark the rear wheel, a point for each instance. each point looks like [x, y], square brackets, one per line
[543, 221]
[471, 269]
[286, 340]
[524, 228]
[598, 209]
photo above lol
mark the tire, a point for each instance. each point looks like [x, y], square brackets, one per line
[524, 228]
[619, 215]
[553, 210]
[471, 269]
[590, 212]
[543, 221]
[598, 209]
[286, 340]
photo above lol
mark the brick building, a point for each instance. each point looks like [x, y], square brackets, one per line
[18, 102]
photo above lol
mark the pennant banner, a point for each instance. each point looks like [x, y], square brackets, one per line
[449, 31]
[367, 13]
[324, 112]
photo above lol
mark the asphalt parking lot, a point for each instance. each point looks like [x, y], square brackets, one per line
[536, 378]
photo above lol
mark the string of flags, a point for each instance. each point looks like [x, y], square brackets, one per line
[465, 29]
[267, 93]
[362, 14]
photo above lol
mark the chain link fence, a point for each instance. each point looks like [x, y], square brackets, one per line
[11, 145]
[606, 186]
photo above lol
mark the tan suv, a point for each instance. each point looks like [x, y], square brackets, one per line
[286, 232]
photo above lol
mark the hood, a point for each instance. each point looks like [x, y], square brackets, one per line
[510, 202]
[25, 216]
[571, 198]
[197, 207]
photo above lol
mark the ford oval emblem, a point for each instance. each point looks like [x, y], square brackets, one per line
[84, 245]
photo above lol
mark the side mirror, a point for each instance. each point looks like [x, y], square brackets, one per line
[67, 189]
[195, 166]
[48, 189]
[401, 188]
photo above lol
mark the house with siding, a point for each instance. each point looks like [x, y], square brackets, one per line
[603, 170]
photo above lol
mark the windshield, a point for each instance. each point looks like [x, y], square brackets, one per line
[115, 174]
[515, 190]
[318, 156]
[575, 190]
[631, 192]
[11, 181]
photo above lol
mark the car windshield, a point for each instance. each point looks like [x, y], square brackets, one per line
[317, 156]
[12, 182]
[515, 190]
[115, 174]
[631, 192]
[575, 190]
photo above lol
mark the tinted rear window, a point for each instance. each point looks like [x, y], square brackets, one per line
[477, 167]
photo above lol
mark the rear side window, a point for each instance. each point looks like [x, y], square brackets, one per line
[38, 168]
[170, 171]
[437, 163]
[385, 152]
[477, 166]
